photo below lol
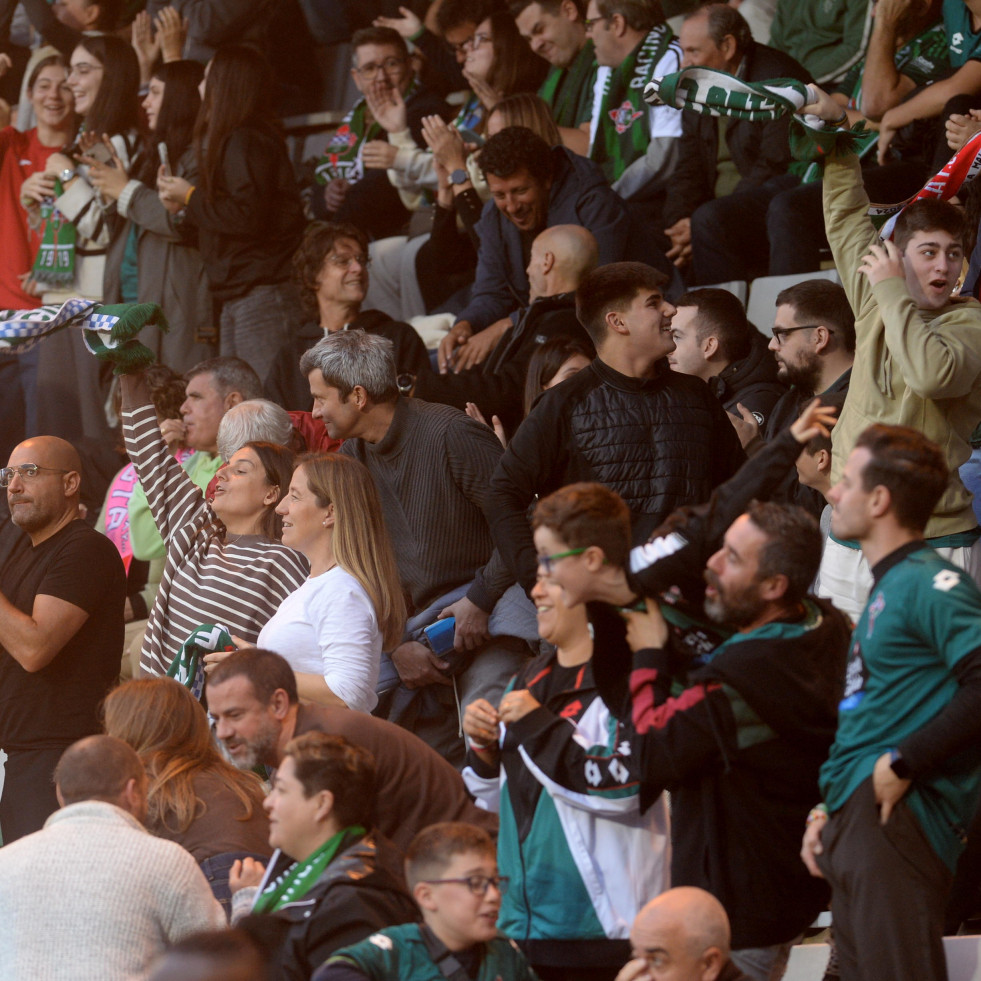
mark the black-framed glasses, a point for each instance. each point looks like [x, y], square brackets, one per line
[477, 884]
[389, 66]
[27, 471]
[547, 562]
[588, 22]
[780, 333]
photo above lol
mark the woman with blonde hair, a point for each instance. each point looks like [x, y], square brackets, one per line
[195, 797]
[334, 628]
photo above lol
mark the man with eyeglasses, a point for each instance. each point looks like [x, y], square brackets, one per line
[61, 628]
[331, 270]
[813, 345]
[918, 351]
[354, 192]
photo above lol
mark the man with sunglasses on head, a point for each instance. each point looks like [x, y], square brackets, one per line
[61, 628]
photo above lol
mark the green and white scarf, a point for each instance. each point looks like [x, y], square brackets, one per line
[342, 158]
[568, 91]
[622, 134]
[188, 667]
[55, 262]
[297, 880]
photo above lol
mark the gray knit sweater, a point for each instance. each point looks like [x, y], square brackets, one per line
[95, 897]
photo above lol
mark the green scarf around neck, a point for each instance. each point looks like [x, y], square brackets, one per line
[297, 880]
[568, 92]
[623, 133]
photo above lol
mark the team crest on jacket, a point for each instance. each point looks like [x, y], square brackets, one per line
[623, 117]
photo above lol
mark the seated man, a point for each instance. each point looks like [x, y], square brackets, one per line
[383, 75]
[683, 933]
[61, 628]
[728, 169]
[111, 896]
[560, 257]
[331, 880]
[714, 341]
[452, 871]
[252, 698]
[532, 188]
[330, 269]
[658, 437]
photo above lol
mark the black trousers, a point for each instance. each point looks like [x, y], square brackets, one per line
[28, 791]
[888, 893]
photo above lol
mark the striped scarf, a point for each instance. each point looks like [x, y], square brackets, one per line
[714, 93]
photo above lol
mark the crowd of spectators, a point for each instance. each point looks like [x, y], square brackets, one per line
[456, 582]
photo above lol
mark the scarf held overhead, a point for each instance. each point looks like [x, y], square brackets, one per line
[715, 93]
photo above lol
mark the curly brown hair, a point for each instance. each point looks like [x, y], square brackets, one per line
[308, 260]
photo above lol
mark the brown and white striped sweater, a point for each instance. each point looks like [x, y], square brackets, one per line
[238, 584]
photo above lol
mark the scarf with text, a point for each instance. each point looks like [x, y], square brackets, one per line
[622, 133]
[342, 158]
[187, 668]
[55, 262]
[300, 877]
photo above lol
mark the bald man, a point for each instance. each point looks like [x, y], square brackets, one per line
[683, 935]
[61, 628]
[489, 370]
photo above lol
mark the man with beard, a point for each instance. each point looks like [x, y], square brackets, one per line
[814, 347]
[253, 701]
[740, 747]
[61, 628]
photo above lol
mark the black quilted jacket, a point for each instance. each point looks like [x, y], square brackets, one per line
[659, 442]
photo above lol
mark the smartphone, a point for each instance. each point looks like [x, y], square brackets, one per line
[164, 158]
[469, 136]
[101, 153]
[440, 635]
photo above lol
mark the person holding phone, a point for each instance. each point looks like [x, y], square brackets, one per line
[245, 206]
[104, 80]
[168, 269]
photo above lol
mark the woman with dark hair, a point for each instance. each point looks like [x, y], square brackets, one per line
[23, 184]
[225, 564]
[104, 79]
[244, 204]
[195, 797]
[157, 260]
[556, 360]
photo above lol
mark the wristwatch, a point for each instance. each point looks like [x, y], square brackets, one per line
[459, 177]
[899, 766]
[66, 175]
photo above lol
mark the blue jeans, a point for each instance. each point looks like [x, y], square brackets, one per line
[764, 963]
[216, 871]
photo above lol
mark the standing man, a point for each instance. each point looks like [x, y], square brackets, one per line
[556, 31]
[714, 341]
[728, 169]
[917, 355]
[432, 465]
[657, 437]
[902, 782]
[61, 628]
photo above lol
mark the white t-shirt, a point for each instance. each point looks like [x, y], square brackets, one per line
[328, 627]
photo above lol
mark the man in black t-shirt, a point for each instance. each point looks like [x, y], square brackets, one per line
[61, 628]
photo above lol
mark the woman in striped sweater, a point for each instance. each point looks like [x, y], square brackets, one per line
[225, 564]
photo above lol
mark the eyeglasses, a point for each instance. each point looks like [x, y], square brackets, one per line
[477, 884]
[780, 333]
[547, 562]
[589, 21]
[390, 66]
[478, 39]
[463, 46]
[27, 471]
[344, 261]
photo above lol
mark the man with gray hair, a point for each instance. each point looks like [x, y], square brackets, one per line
[110, 895]
[213, 387]
[432, 465]
[682, 934]
[255, 421]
